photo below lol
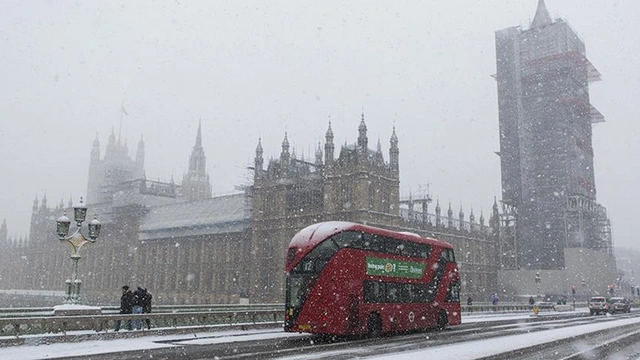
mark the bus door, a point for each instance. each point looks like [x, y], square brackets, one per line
[354, 311]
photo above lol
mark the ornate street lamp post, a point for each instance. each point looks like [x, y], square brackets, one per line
[538, 279]
[75, 242]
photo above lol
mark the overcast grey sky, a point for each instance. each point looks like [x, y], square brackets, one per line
[256, 69]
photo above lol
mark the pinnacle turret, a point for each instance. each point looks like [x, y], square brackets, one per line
[328, 147]
[259, 160]
[394, 152]
[362, 134]
[319, 154]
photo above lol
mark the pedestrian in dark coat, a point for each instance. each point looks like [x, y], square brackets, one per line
[146, 306]
[138, 304]
[126, 306]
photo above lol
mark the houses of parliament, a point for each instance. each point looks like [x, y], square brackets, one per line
[189, 247]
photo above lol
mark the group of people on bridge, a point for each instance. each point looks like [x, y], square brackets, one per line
[136, 302]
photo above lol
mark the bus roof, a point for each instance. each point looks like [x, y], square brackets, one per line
[307, 238]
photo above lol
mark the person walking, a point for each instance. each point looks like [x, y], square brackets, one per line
[138, 304]
[495, 299]
[146, 306]
[126, 307]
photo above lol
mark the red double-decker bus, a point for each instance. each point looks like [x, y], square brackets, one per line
[347, 279]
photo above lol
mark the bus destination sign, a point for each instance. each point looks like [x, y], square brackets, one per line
[395, 268]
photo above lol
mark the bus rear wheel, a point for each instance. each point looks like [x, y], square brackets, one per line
[442, 320]
[374, 325]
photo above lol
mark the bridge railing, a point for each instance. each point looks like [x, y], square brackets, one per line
[111, 309]
[17, 326]
[504, 308]
[31, 321]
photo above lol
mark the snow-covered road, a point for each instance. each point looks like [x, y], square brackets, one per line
[37, 349]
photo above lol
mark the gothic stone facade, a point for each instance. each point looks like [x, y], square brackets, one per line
[189, 247]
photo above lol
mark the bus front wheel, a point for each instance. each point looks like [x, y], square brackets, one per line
[374, 325]
[442, 320]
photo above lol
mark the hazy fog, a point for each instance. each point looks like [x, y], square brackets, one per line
[258, 69]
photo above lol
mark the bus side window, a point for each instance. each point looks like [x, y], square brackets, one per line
[373, 291]
[355, 239]
[425, 250]
[411, 293]
[420, 293]
[367, 241]
[416, 250]
[393, 292]
[396, 247]
[448, 255]
[376, 243]
[350, 239]
[405, 293]
[453, 293]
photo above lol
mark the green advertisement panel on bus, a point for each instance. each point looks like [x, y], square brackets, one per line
[396, 268]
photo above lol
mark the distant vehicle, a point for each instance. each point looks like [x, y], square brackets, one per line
[619, 304]
[545, 304]
[598, 305]
[344, 278]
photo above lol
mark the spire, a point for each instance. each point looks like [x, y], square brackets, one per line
[542, 17]
[3, 231]
[319, 154]
[95, 149]
[329, 135]
[328, 146]
[43, 205]
[199, 136]
[394, 138]
[362, 137]
[111, 145]
[284, 155]
[258, 161]
[394, 152]
[198, 161]
[196, 183]
[259, 147]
